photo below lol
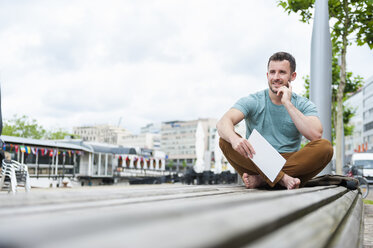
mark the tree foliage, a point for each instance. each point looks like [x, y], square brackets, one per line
[25, 127]
[353, 84]
[360, 14]
[58, 134]
[184, 165]
[352, 22]
[360, 23]
[170, 164]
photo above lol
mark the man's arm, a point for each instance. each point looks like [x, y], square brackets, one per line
[309, 126]
[226, 131]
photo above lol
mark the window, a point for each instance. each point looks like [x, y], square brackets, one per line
[103, 163]
[110, 164]
[368, 126]
[366, 164]
[77, 163]
[29, 158]
[95, 163]
[368, 101]
[61, 158]
[43, 156]
[69, 158]
[368, 113]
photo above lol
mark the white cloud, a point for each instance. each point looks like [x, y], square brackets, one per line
[89, 62]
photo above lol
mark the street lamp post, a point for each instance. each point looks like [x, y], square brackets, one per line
[321, 70]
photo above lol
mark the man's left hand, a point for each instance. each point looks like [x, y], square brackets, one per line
[285, 92]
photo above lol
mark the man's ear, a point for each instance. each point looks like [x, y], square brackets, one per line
[293, 76]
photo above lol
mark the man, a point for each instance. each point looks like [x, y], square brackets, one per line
[281, 117]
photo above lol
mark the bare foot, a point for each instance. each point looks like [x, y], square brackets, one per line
[290, 182]
[252, 181]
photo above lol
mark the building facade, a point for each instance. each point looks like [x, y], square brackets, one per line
[354, 141]
[178, 141]
[151, 128]
[142, 140]
[368, 114]
[362, 137]
[101, 133]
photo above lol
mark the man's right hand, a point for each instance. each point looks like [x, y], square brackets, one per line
[243, 147]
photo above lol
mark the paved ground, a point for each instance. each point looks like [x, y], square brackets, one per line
[368, 221]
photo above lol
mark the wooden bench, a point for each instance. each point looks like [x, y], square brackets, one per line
[182, 216]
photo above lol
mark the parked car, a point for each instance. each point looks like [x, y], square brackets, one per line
[364, 161]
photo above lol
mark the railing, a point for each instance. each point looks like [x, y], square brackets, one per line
[133, 172]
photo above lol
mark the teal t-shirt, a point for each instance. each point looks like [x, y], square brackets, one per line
[273, 121]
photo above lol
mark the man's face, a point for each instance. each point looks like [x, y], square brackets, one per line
[279, 75]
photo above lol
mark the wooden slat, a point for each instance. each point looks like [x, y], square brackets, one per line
[43, 201]
[316, 228]
[350, 233]
[211, 217]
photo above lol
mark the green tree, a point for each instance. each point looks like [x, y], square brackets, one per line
[353, 22]
[353, 84]
[29, 128]
[23, 127]
[184, 165]
[59, 134]
[170, 164]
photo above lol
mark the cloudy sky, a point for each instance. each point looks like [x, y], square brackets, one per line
[86, 62]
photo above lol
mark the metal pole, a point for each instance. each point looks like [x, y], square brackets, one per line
[1, 117]
[321, 70]
[343, 147]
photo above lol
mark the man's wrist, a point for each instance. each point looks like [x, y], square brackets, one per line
[287, 104]
[233, 138]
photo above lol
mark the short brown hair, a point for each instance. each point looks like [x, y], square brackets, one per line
[280, 56]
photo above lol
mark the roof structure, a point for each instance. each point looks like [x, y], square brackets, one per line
[47, 143]
[102, 147]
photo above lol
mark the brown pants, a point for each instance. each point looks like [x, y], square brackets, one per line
[303, 164]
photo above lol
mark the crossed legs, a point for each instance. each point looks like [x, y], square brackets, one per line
[300, 166]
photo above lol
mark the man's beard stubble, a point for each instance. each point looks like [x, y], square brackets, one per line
[271, 88]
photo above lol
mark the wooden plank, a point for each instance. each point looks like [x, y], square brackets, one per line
[45, 201]
[315, 229]
[44, 204]
[350, 233]
[94, 193]
[236, 218]
[90, 197]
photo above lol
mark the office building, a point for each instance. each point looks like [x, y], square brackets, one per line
[142, 140]
[178, 140]
[101, 133]
[368, 114]
[362, 137]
